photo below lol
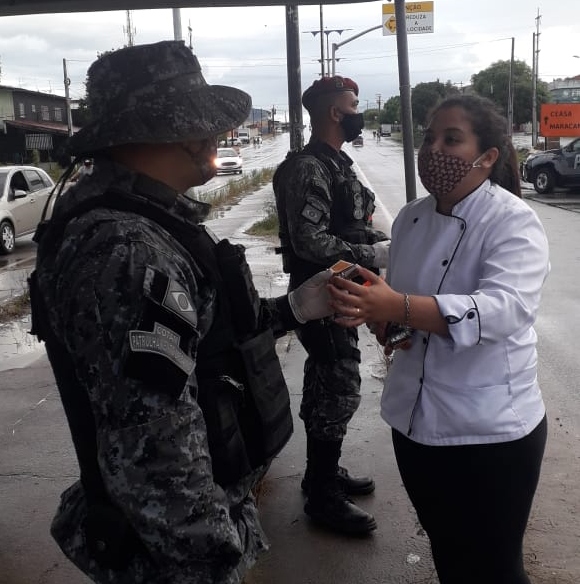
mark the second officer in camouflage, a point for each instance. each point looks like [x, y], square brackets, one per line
[325, 216]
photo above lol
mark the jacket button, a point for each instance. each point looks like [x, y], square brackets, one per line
[444, 262]
[416, 219]
[470, 315]
[420, 380]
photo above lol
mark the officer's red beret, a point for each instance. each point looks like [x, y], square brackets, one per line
[326, 85]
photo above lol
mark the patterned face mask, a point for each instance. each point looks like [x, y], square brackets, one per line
[441, 173]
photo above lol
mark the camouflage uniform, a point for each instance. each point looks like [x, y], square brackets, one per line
[152, 447]
[325, 216]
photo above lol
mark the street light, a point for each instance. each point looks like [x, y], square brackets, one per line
[335, 46]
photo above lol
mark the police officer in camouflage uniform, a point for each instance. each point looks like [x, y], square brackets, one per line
[128, 294]
[325, 216]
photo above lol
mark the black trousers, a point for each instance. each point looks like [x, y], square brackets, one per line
[474, 502]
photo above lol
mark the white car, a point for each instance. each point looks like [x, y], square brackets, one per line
[228, 160]
[24, 191]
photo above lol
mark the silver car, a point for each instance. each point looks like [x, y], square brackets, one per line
[24, 191]
[228, 160]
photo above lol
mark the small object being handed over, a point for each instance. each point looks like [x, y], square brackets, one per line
[373, 302]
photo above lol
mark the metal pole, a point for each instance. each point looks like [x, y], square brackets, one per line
[405, 92]
[293, 73]
[327, 32]
[510, 107]
[534, 94]
[67, 99]
[334, 47]
[321, 43]
[177, 35]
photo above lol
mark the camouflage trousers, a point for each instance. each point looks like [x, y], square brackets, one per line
[331, 391]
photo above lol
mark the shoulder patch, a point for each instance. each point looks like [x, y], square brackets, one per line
[311, 213]
[161, 341]
[178, 301]
[170, 295]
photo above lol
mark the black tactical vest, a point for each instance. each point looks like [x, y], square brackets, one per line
[350, 214]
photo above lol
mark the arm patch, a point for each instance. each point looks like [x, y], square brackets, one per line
[311, 214]
[164, 342]
[159, 348]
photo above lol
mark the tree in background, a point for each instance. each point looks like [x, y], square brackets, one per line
[391, 112]
[425, 96]
[493, 83]
[371, 117]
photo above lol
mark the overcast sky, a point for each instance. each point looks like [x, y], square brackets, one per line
[246, 47]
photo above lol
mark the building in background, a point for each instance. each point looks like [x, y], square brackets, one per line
[31, 121]
[565, 90]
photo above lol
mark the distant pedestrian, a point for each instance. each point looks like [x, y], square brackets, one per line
[85, 169]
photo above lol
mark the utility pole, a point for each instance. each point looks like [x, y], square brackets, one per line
[129, 30]
[293, 73]
[330, 60]
[321, 43]
[379, 102]
[190, 33]
[177, 34]
[406, 111]
[510, 105]
[67, 99]
[535, 54]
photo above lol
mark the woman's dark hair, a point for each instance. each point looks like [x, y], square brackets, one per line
[490, 127]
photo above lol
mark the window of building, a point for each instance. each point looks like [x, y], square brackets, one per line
[44, 112]
[58, 114]
[21, 110]
[33, 106]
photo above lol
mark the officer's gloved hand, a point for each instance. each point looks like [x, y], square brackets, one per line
[311, 300]
[381, 254]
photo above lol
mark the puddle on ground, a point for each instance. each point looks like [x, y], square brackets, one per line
[13, 282]
[17, 346]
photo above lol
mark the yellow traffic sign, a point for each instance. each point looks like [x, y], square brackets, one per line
[418, 16]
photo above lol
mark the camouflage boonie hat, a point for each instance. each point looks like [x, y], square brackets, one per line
[325, 85]
[150, 94]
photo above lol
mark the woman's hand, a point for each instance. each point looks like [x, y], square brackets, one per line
[355, 304]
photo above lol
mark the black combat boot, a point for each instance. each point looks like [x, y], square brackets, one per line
[352, 486]
[327, 503]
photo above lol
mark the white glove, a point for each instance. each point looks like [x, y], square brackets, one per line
[310, 301]
[381, 254]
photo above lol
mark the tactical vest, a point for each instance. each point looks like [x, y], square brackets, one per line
[247, 423]
[351, 211]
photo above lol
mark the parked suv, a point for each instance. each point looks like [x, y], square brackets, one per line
[24, 191]
[553, 168]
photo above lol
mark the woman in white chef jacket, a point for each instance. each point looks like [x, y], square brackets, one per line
[465, 275]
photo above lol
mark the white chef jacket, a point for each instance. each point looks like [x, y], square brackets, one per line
[485, 266]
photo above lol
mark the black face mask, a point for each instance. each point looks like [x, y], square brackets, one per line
[352, 124]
